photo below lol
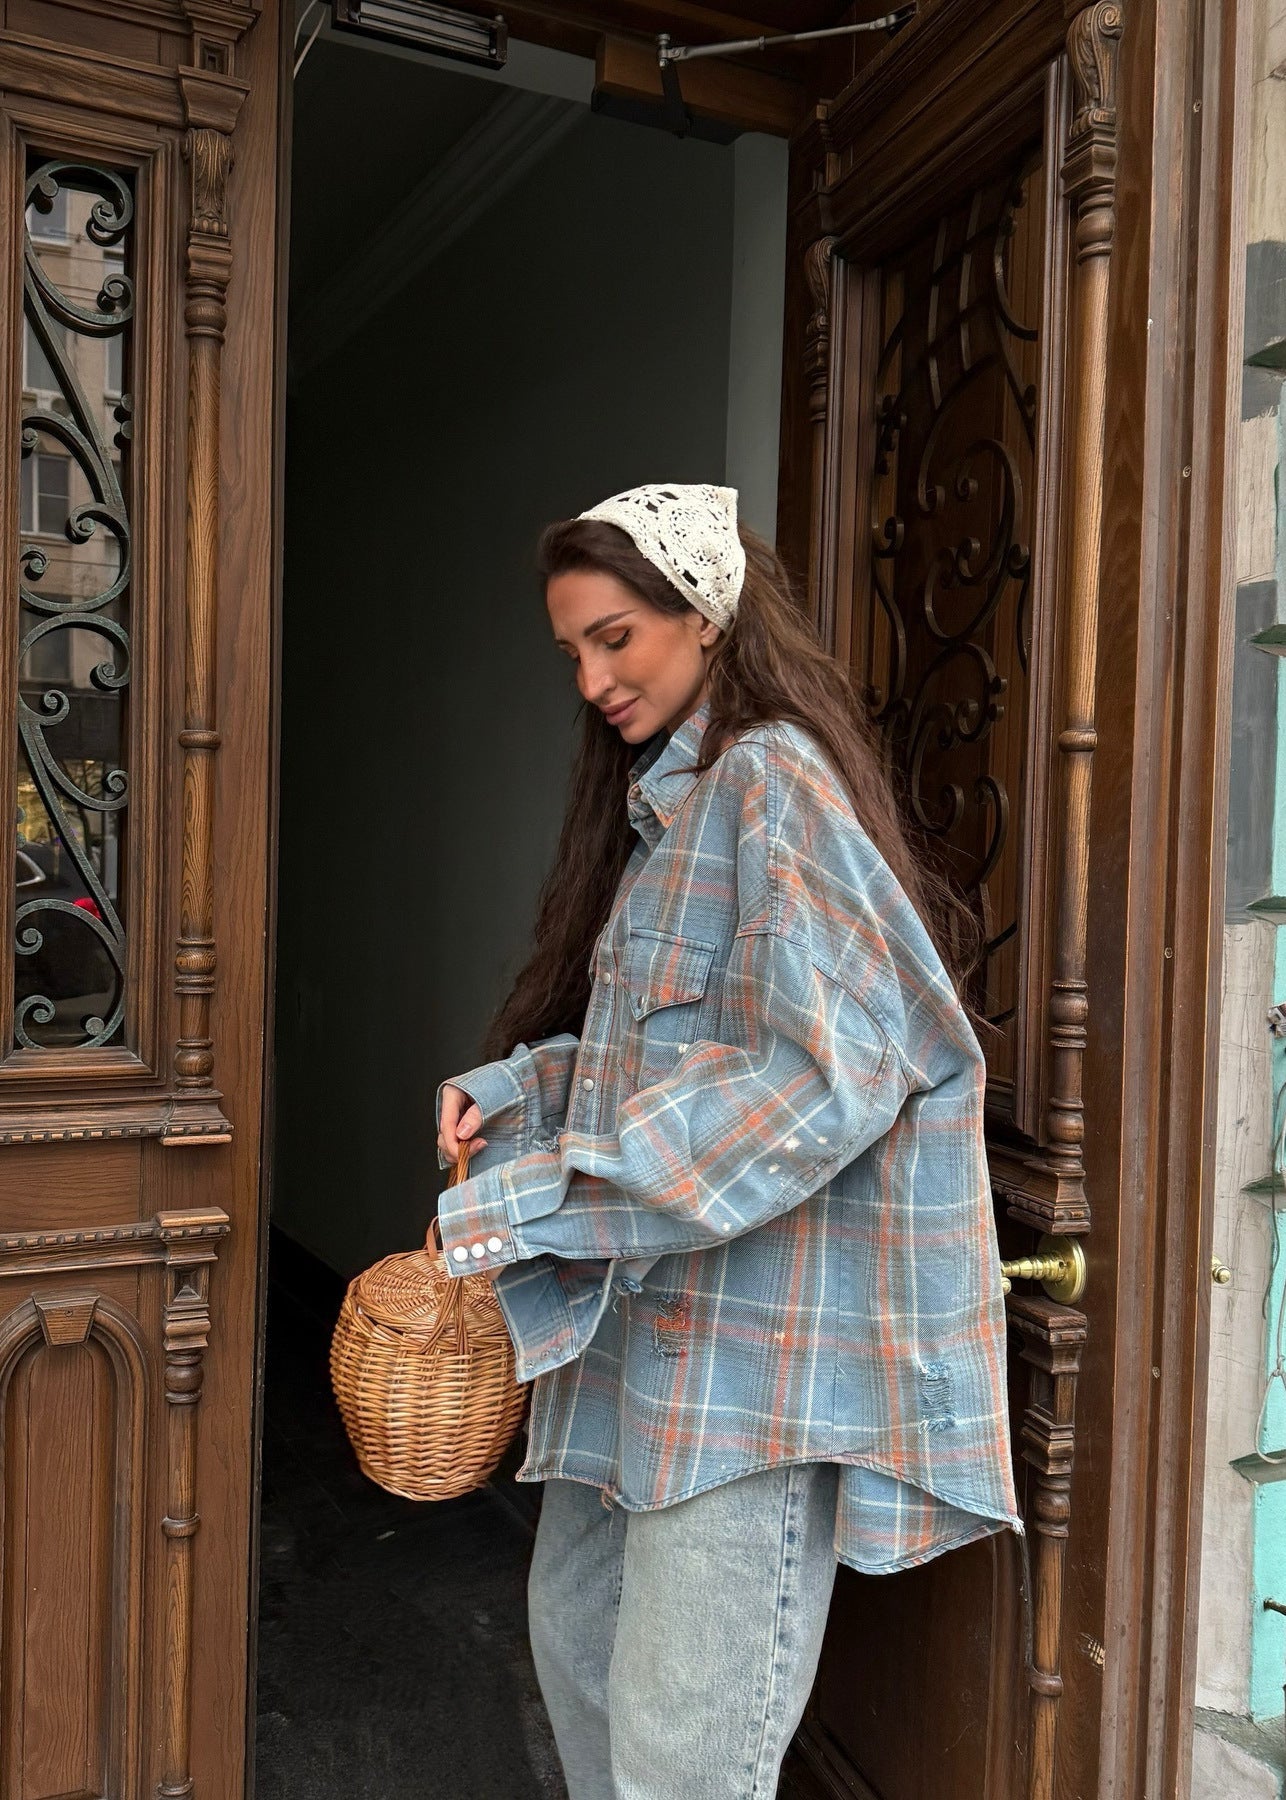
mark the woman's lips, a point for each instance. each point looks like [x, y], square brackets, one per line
[614, 714]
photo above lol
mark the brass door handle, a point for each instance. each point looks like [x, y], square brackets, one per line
[1220, 1273]
[1059, 1265]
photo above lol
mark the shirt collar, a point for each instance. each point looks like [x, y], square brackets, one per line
[659, 782]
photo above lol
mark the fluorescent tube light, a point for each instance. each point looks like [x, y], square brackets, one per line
[444, 30]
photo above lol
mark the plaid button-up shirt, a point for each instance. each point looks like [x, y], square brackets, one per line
[745, 1218]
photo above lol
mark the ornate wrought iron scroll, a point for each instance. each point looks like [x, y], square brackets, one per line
[74, 578]
[951, 553]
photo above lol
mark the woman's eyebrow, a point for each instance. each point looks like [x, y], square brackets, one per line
[607, 619]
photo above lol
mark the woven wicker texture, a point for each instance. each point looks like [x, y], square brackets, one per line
[423, 1370]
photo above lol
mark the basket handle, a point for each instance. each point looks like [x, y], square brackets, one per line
[452, 1312]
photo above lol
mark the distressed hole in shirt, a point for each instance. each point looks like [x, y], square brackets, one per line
[672, 1324]
[935, 1397]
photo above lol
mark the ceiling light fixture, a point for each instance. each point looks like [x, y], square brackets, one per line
[469, 37]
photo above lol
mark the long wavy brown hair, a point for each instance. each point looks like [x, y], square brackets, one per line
[770, 666]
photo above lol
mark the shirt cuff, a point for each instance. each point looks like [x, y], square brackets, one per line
[474, 1220]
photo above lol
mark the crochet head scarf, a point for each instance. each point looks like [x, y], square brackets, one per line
[688, 532]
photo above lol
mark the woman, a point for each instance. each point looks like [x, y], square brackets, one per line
[732, 1189]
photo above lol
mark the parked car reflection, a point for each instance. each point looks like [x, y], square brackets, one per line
[71, 968]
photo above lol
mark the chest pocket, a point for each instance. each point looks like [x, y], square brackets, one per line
[664, 980]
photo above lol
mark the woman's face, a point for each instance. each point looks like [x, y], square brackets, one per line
[644, 669]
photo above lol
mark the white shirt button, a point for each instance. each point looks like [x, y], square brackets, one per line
[607, 978]
[588, 1082]
[494, 1244]
[460, 1253]
[477, 1249]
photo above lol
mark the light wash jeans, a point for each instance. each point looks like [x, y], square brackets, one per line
[676, 1649]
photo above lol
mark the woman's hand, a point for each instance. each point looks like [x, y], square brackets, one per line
[461, 1118]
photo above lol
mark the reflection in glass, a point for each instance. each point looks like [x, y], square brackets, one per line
[49, 220]
[73, 615]
[46, 486]
[38, 374]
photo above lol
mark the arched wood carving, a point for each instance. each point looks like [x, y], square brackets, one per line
[112, 1698]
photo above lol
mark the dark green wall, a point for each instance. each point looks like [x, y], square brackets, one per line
[573, 343]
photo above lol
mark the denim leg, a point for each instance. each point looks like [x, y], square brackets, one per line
[573, 1590]
[723, 1606]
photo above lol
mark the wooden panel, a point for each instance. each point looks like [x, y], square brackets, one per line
[73, 1186]
[96, 1365]
[946, 587]
[889, 1640]
[95, 31]
[73, 1404]
[942, 1726]
[942, 552]
[58, 1560]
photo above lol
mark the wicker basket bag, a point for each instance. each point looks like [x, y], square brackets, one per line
[423, 1370]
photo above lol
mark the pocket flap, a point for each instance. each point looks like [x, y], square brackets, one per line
[663, 971]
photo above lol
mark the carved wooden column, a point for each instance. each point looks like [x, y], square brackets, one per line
[210, 106]
[1051, 1338]
[1088, 176]
[190, 1240]
[817, 363]
[1053, 1335]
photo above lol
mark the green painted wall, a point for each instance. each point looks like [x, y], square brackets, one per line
[1268, 1629]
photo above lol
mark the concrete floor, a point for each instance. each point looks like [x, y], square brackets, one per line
[393, 1653]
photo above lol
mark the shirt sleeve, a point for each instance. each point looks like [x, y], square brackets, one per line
[523, 1094]
[733, 1136]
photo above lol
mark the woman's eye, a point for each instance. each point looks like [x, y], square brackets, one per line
[620, 642]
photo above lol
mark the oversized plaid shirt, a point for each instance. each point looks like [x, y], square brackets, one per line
[745, 1218]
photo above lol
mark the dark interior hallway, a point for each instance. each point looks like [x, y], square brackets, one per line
[393, 1654]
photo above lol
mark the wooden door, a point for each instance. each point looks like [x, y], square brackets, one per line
[138, 157]
[1012, 356]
